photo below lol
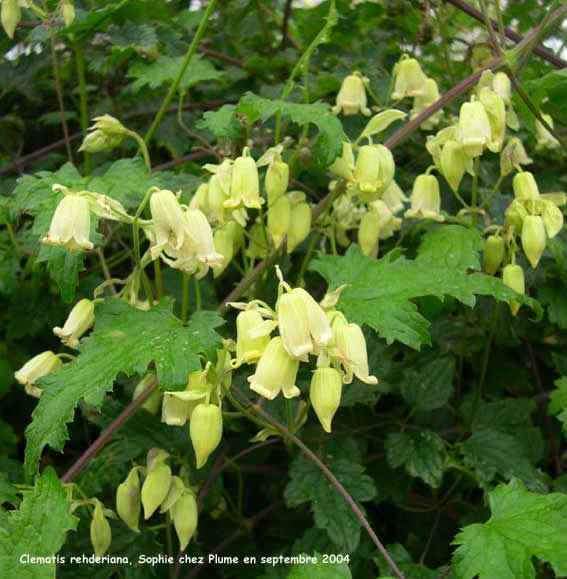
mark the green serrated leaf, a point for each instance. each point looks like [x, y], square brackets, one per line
[378, 292]
[523, 525]
[454, 246]
[330, 510]
[419, 452]
[125, 340]
[222, 123]
[319, 570]
[164, 70]
[330, 128]
[430, 385]
[37, 528]
[490, 452]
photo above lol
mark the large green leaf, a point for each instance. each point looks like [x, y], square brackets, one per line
[320, 569]
[379, 292]
[330, 510]
[37, 529]
[523, 525]
[126, 340]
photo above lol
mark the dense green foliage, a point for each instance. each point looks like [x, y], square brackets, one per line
[402, 415]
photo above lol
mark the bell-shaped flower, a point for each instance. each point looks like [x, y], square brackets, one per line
[276, 180]
[205, 429]
[525, 186]
[387, 223]
[434, 143]
[71, 224]
[429, 96]
[552, 219]
[185, 514]
[409, 79]
[374, 171]
[474, 131]
[279, 217]
[80, 320]
[502, 86]
[325, 395]
[454, 163]
[351, 98]
[11, 15]
[38, 366]
[513, 277]
[351, 346]
[496, 110]
[343, 166]
[394, 198]
[369, 234]
[544, 139]
[276, 371]
[512, 156]
[200, 199]
[515, 215]
[245, 184]
[252, 337]
[169, 222]
[177, 406]
[533, 238]
[223, 246]
[425, 199]
[299, 225]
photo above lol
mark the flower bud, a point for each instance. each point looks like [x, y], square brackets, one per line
[454, 163]
[496, 111]
[106, 133]
[278, 219]
[368, 234]
[155, 487]
[515, 215]
[176, 489]
[223, 246]
[494, 251]
[40, 365]
[513, 154]
[552, 219]
[525, 186]
[275, 371]
[533, 238]
[502, 86]
[101, 535]
[325, 395]
[425, 199]
[513, 277]
[409, 79]
[545, 140]
[351, 98]
[205, 429]
[11, 16]
[128, 500]
[71, 224]
[299, 225]
[249, 348]
[245, 184]
[67, 12]
[276, 180]
[474, 128]
[80, 320]
[185, 516]
[351, 344]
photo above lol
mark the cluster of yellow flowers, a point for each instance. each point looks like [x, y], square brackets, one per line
[305, 328]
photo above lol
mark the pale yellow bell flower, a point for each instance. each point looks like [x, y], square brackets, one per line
[351, 98]
[79, 321]
[71, 224]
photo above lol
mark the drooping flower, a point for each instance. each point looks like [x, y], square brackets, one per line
[80, 320]
[325, 395]
[425, 199]
[351, 98]
[71, 224]
[409, 79]
[38, 366]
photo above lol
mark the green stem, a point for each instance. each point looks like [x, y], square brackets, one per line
[310, 248]
[184, 296]
[173, 88]
[83, 104]
[197, 294]
[492, 193]
[136, 238]
[143, 148]
[475, 188]
[157, 278]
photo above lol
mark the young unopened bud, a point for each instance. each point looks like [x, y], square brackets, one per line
[34, 369]
[533, 238]
[494, 251]
[496, 111]
[545, 140]
[11, 16]
[409, 79]
[299, 225]
[106, 133]
[515, 215]
[223, 246]
[525, 186]
[369, 234]
[277, 180]
[474, 128]
[176, 489]
[205, 429]
[425, 199]
[279, 215]
[71, 224]
[80, 320]
[67, 12]
[245, 184]
[249, 347]
[276, 371]
[155, 487]
[128, 500]
[552, 219]
[351, 98]
[185, 516]
[101, 535]
[325, 395]
[454, 163]
[512, 155]
[513, 277]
